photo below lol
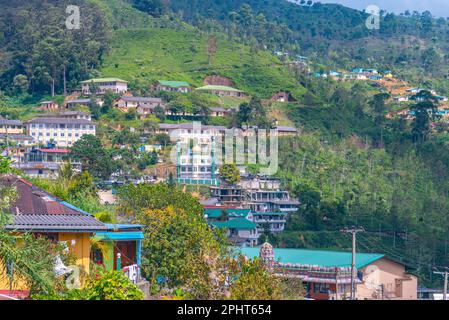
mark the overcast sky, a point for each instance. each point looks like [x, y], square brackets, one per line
[438, 8]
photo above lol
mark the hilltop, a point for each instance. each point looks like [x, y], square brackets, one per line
[146, 55]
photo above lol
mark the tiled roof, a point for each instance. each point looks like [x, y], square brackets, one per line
[104, 80]
[34, 210]
[57, 120]
[10, 122]
[142, 99]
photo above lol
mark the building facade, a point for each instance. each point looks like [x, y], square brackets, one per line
[63, 130]
[103, 85]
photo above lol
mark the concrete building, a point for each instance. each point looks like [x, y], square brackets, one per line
[103, 85]
[44, 162]
[135, 102]
[62, 130]
[222, 91]
[172, 86]
[11, 126]
[327, 274]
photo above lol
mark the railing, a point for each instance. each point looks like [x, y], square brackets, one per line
[132, 272]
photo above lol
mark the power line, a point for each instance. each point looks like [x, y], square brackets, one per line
[353, 231]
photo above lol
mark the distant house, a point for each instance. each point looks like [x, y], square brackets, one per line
[146, 103]
[286, 131]
[11, 126]
[77, 102]
[219, 112]
[44, 163]
[49, 105]
[240, 231]
[172, 86]
[400, 99]
[222, 91]
[282, 97]
[105, 84]
[327, 274]
[19, 139]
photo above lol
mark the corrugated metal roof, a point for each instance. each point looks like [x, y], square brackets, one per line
[57, 120]
[55, 222]
[239, 223]
[316, 257]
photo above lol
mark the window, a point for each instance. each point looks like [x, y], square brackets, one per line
[321, 287]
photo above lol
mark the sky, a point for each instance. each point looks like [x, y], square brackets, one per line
[439, 8]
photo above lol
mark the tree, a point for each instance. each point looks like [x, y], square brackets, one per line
[230, 173]
[211, 48]
[21, 83]
[111, 285]
[254, 282]
[93, 157]
[31, 258]
[424, 112]
[152, 7]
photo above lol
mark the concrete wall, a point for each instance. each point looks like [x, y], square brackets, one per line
[388, 280]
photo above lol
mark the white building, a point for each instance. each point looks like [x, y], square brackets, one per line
[62, 131]
[105, 84]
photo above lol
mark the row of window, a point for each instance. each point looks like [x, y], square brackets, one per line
[195, 169]
[55, 134]
[62, 126]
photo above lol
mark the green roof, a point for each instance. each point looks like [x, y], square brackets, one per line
[221, 88]
[316, 257]
[239, 223]
[104, 80]
[217, 212]
[173, 84]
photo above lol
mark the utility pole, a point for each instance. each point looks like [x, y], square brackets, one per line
[445, 274]
[353, 231]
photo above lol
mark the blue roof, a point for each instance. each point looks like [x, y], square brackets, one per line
[131, 235]
[123, 226]
[316, 257]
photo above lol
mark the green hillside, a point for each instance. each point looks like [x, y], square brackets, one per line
[145, 55]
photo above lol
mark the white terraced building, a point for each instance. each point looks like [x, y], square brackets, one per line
[64, 132]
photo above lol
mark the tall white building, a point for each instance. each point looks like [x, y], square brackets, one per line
[62, 129]
[105, 84]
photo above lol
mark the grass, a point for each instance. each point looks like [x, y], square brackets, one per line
[148, 54]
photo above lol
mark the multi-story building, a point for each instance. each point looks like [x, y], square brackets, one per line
[196, 165]
[134, 102]
[44, 163]
[62, 130]
[103, 85]
[11, 126]
[241, 230]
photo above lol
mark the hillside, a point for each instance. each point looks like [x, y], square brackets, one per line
[145, 55]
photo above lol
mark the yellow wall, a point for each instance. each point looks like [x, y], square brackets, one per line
[81, 247]
[81, 250]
